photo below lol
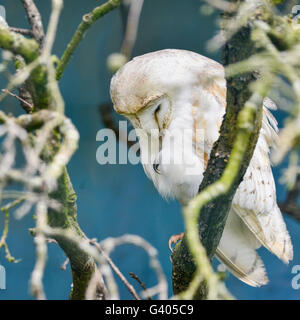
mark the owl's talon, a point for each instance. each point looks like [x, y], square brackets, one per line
[174, 239]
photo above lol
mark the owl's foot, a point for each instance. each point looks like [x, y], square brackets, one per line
[174, 239]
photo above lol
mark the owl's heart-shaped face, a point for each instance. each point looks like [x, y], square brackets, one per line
[160, 93]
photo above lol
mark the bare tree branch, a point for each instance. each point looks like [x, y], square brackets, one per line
[24, 32]
[35, 20]
[37, 32]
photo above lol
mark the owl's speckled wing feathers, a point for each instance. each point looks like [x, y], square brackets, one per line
[189, 91]
[254, 202]
[255, 199]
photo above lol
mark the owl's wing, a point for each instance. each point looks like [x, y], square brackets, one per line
[237, 250]
[255, 199]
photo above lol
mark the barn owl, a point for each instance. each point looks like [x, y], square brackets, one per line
[177, 90]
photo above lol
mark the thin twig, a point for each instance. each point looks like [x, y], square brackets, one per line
[35, 20]
[30, 106]
[116, 270]
[24, 32]
[25, 95]
[135, 277]
[87, 21]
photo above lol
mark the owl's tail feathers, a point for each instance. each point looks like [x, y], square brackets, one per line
[255, 278]
[237, 251]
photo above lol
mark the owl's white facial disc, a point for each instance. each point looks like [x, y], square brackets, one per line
[165, 131]
[165, 95]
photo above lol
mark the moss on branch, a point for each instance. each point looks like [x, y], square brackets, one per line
[29, 50]
[16, 43]
[82, 264]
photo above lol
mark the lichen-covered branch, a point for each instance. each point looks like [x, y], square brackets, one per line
[37, 32]
[206, 215]
[29, 50]
[254, 38]
[48, 140]
[17, 44]
[82, 264]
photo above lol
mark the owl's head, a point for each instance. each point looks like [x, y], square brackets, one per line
[157, 93]
[155, 83]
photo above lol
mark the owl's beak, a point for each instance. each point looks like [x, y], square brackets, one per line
[156, 163]
[156, 167]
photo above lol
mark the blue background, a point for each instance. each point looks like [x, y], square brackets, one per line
[118, 199]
